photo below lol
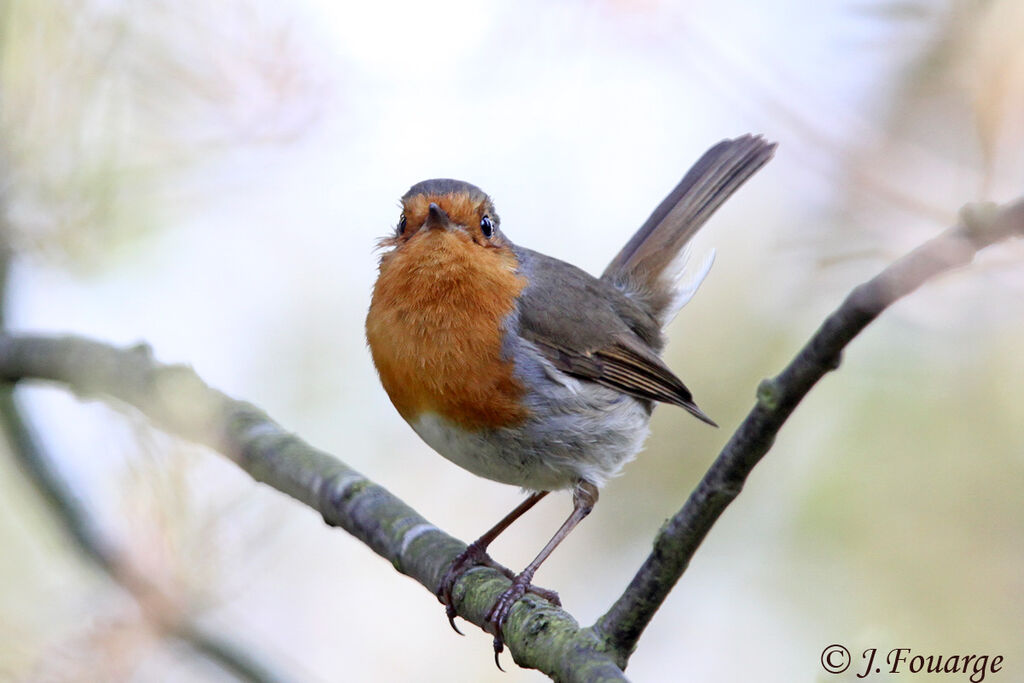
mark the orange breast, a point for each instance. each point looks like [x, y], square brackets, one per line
[435, 330]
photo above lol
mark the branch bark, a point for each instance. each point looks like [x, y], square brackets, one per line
[980, 226]
[537, 634]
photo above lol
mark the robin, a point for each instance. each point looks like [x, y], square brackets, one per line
[525, 369]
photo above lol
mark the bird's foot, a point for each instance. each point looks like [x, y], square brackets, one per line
[495, 619]
[476, 556]
[473, 556]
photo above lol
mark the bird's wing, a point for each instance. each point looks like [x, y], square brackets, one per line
[589, 329]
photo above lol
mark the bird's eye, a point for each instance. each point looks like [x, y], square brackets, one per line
[401, 224]
[486, 227]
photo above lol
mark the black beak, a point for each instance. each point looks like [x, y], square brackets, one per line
[436, 217]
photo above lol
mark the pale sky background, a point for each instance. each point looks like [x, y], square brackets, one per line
[250, 155]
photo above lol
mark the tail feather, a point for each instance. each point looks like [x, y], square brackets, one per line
[650, 265]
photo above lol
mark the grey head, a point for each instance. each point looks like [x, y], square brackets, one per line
[463, 200]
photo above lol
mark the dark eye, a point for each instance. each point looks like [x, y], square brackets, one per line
[401, 224]
[486, 227]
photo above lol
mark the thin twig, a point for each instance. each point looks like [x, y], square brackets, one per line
[677, 541]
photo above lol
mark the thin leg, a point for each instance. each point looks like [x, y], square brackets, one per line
[475, 554]
[583, 500]
[507, 520]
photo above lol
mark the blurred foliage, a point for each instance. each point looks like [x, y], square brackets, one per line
[105, 105]
[969, 74]
[949, 126]
[919, 493]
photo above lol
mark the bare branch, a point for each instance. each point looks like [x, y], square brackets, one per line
[677, 541]
[537, 634]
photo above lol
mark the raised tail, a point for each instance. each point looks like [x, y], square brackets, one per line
[650, 265]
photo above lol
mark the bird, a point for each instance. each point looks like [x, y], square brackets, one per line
[524, 369]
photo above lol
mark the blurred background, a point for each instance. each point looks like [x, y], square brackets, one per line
[212, 178]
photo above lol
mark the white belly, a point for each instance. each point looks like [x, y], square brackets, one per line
[548, 452]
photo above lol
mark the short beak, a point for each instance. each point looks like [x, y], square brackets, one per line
[436, 218]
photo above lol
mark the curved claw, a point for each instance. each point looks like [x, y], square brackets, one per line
[497, 615]
[450, 613]
[473, 556]
[498, 647]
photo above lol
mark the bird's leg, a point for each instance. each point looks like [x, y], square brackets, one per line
[475, 554]
[583, 500]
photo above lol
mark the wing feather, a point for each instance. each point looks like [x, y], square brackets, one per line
[591, 330]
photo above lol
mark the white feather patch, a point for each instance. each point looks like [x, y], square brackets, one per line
[686, 281]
